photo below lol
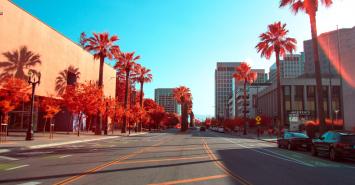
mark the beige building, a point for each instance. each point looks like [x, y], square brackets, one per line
[19, 29]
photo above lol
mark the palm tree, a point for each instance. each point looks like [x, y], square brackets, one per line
[126, 62]
[275, 40]
[191, 113]
[182, 95]
[102, 46]
[143, 75]
[61, 81]
[18, 61]
[246, 75]
[311, 8]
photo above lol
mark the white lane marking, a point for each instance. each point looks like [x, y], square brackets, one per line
[8, 158]
[4, 150]
[71, 142]
[30, 183]
[276, 156]
[17, 167]
[64, 156]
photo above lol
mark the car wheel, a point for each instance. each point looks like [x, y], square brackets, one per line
[314, 151]
[332, 155]
[279, 145]
[289, 146]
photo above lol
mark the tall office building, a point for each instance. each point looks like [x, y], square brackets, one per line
[337, 55]
[291, 66]
[262, 76]
[223, 87]
[164, 97]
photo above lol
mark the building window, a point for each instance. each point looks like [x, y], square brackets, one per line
[325, 101]
[287, 99]
[298, 103]
[311, 99]
[336, 104]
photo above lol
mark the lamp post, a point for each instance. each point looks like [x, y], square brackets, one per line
[34, 78]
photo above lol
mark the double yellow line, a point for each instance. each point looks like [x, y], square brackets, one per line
[100, 167]
[213, 157]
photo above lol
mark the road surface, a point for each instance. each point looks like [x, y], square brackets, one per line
[171, 157]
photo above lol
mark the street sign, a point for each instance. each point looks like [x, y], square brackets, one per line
[257, 118]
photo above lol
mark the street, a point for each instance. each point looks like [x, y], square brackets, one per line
[171, 157]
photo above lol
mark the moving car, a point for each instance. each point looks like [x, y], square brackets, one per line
[294, 140]
[335, 144]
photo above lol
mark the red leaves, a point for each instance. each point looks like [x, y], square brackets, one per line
[125, 61]
[309, 6]
[50, 107]
[275, 40]
[86, 98]
[245, 74]
[13, 92]
[143, 74]
[182, 94]
[101, 44]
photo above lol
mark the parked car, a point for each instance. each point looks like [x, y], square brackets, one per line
[220, 129]
[294, 140]
[202, 129]
[335, 144]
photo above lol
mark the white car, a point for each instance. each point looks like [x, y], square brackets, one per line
[221, 129]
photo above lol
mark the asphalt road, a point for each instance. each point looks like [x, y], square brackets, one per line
[172, 158]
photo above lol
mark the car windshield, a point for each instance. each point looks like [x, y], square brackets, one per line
[298, 135]
[348, 139]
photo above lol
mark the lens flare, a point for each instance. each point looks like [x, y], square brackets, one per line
[340, 65]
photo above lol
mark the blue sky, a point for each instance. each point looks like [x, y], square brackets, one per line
[181, 40]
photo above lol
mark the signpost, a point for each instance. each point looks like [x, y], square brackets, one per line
[258, 122]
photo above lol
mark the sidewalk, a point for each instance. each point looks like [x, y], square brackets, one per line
[264, 137]
[16, 140]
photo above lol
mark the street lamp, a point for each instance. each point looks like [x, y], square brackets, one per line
[34, 78]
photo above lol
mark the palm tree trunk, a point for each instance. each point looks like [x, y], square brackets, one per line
[141, 103]
[192, 119]
[125, 104]
[279, 96]
[99, 115]
[245, 108]
[317, 72]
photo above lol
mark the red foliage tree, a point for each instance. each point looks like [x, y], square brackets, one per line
[50, 107]
[247, 76]
[102, 46]
[13, 91]
[275, 40]
[84, 99]
[183, 96]
[126, 62]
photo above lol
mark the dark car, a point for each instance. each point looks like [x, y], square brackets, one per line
[335, 144]
[203, 129]
[294, 140]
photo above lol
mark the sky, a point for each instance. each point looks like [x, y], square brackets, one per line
[181, 40]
